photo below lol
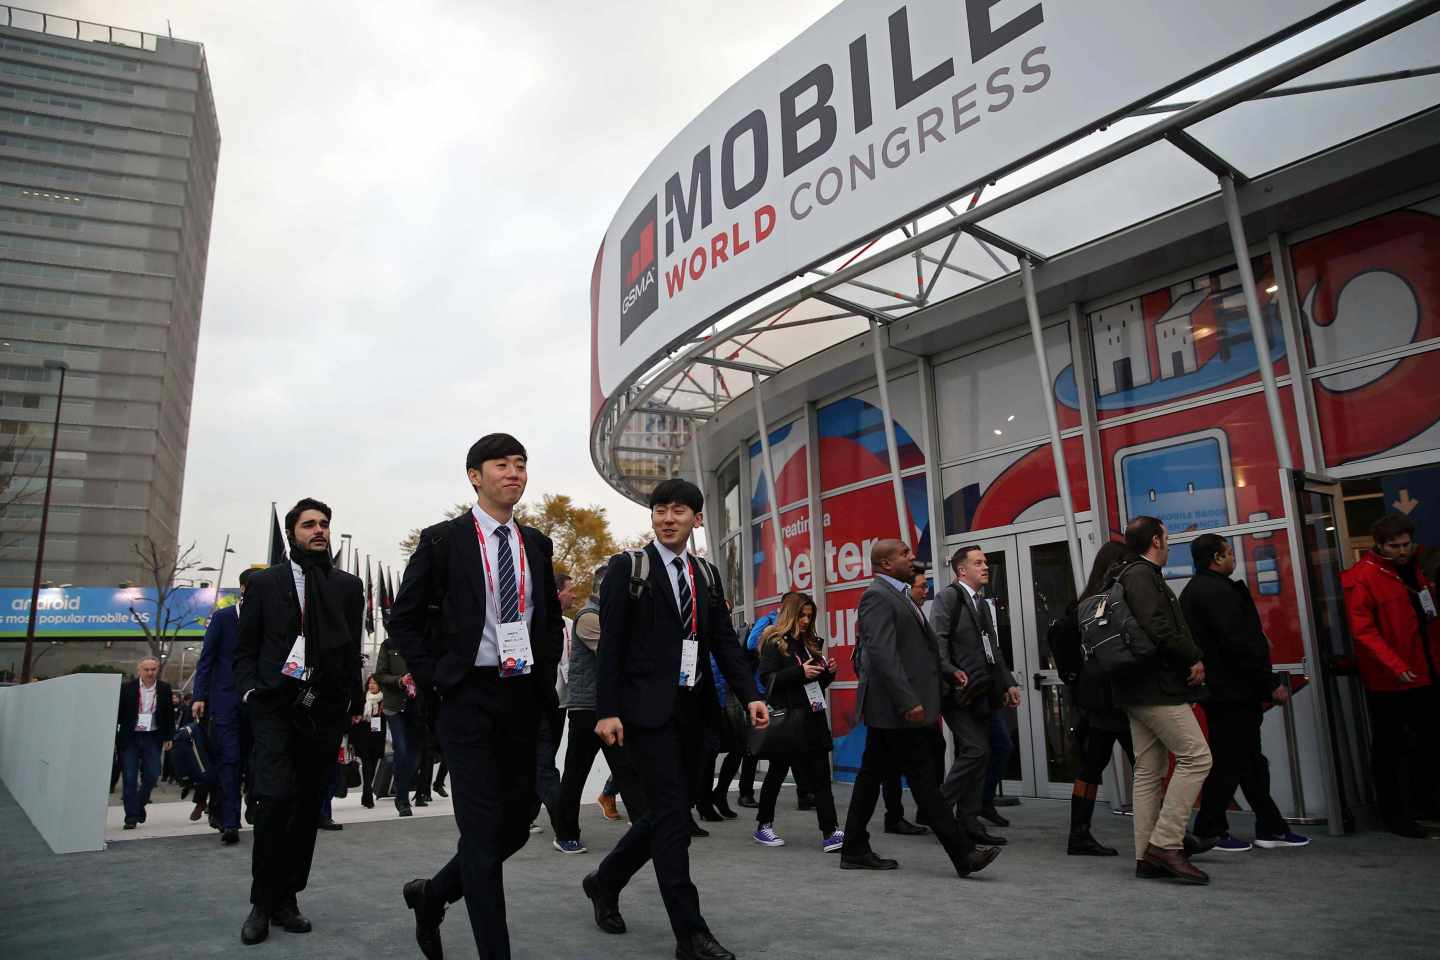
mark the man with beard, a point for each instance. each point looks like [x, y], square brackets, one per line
[297, 666]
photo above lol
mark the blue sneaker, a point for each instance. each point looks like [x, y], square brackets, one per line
[569, 846]
[833, 842]
[767, 837]
[1271, 841]
[1229, 843]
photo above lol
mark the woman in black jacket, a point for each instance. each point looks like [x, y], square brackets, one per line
[795, 673]
[1102, 724]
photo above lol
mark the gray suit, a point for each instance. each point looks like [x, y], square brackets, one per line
[899, 659]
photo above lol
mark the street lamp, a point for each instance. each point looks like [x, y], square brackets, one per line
[344, 542]
[182, 666]
[28, 662]
[220, 580]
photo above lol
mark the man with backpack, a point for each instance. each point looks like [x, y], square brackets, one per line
[478, 620]
[1156, 694]
[979, 681]
[662, 615]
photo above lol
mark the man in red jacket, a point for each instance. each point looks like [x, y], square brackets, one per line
[1391, 607]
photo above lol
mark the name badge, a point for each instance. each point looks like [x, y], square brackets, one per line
[689, 661]
[1427, 603]
[815, 695]
[375, 724]
[989, 650]
[516, 658]
[295, 662]
[145, 722]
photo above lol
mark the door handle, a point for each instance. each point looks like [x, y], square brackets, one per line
[1039, 681]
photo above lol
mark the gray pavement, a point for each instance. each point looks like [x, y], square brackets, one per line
[1366, 895]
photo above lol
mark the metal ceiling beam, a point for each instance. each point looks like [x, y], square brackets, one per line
[666, 412]
[1303, 88]
[647, 451]
[869, 313]
[1204, 156]
[738, 365]
[1017, 250]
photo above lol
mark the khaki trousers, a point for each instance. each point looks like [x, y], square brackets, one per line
[1161, 814]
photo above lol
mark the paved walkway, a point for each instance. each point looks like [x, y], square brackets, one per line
[1365, 895]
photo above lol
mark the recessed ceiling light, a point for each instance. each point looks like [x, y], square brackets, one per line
[1272, 288]
[999, 432]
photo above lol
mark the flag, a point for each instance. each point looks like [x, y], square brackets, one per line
[369, 600]
[386, 600]
[390, 575]
[278, 548]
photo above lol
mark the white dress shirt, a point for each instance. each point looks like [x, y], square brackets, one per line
[299, 574]
[667, 558]
[489, 653]
[147, 707]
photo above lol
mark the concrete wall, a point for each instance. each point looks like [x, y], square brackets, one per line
[56, 741]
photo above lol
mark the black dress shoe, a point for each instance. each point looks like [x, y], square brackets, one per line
[329, 824]
[992, 816]
[367, 802]
[428, 915]
[696, 830]
[440, 789]
[129, 825]
[607, 911]
[747, 801]
[979, 859]
[905, 828]
[985, 838]
[421, 802]
[708, 813]
[290, 918]
[1083, 844]
[722, 807]
[256, 928]
[701, 946]
[1196, 845]
[869, 860]
[230, 836]
[1006, 801]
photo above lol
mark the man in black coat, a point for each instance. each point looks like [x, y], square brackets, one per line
[478, 620]
[1223, 620]
[144, 730]
[651, 680]
[977, 681]
[297, 667]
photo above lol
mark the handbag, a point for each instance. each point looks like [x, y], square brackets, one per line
[785, 735]
[352, 774]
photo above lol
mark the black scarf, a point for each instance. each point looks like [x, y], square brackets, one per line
[324, 620]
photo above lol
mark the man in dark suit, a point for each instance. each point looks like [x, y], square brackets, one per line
[899, 699]
[297, 667]
[477, 618]
[658, 636]
[144, 729]
[978, 681]
[215, 694]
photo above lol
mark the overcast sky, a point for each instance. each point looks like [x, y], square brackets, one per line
[410, 200]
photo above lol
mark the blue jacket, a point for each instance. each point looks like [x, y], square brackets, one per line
[214, 674]
[752, 643]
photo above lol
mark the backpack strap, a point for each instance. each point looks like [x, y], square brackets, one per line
[639, 573]
[440, 574]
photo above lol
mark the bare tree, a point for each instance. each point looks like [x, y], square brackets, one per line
[162, 565]
[17, 465]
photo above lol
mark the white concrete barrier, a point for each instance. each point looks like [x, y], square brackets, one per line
[57, 738]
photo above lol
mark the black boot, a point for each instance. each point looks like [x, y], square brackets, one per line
[1082, 807]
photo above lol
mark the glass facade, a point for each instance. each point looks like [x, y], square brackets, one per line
[108, 158]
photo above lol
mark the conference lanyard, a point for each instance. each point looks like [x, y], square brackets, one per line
[490, 579]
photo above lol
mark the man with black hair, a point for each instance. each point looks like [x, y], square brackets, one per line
[478, 619]
[1157, 695]
[297, 666]
[215, 694]
[660, 628]
[1222, 618]
[1391, 608]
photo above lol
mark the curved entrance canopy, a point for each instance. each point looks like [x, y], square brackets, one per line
[1323, 75]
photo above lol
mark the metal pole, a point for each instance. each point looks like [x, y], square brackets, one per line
[220, 577]
[1257, 325]
[1047, 393]
[782, 573]
[27, 663]
[699, 482]
[902, 515]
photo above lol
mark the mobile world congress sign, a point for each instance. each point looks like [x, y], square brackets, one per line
[879, 110]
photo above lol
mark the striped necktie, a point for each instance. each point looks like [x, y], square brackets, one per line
[505, 564]
[687, 602]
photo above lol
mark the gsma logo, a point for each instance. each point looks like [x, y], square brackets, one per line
[639, 289]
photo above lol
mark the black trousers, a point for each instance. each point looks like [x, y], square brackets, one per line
[581, 746]
[291, 770]
[1403, 751]
[488, 728]
[909, 752]
[1096, 746]
[662, 835]
[963, 785]
[812, 778]
[1237, 762]
[747, 775]
[370, 746]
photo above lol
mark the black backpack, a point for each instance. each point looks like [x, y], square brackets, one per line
[1109, 633]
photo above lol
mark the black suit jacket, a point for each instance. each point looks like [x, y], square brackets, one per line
[1222, 618]
[447, 571]
[961, 648]
[130, 709]
[270, 622]
[638, 671]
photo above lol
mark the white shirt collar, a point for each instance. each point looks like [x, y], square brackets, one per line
[488, 524]
[667, 556]
[969, 589]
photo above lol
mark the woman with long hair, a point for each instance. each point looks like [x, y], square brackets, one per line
[1102, 724]
[367, 737]
[795, 671]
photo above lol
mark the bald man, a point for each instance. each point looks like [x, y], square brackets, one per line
[898, 660]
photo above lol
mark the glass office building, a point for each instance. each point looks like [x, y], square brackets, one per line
[109, 145]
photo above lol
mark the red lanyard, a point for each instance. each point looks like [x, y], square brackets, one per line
[694, 604]
[489, 579]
